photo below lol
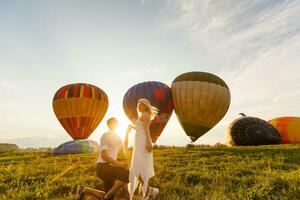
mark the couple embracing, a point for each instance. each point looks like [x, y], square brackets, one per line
[116, 174]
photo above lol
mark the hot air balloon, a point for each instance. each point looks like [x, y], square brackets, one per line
[200, 101]
[77, 147]
[288, 128]
[80, 108]
[251, 131]
[159, 94]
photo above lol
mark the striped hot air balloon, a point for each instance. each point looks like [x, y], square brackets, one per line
[80, 107]
[200, 101]
[159, 94]
[251, 131]
[289, 129]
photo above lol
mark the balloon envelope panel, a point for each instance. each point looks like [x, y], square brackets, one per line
[80, 108]
[200, 101]
[248, 131]
[77, 147]
[289, 129]
[159, 95]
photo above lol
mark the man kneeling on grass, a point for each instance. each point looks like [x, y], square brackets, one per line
[113, 173]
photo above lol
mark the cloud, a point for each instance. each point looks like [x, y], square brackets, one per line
[146, 1]
[8, 96]
[36, 141]
[255, 44]
[139, 73]
[270, 85]
[234, 33]
[9, 88]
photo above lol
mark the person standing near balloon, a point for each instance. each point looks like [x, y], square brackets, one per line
[141, 167]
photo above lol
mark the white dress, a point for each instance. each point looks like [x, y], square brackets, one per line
[141, 161]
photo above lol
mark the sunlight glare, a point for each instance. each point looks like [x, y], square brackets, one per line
[123, 123]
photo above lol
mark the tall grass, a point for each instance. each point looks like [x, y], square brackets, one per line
[266, 172]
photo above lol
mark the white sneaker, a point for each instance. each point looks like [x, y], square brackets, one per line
[154, 193]
[79, 192]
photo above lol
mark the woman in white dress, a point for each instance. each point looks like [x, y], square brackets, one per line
[141, 167]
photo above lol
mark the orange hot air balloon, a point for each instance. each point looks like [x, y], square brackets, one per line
[289, 129]
[80, 107]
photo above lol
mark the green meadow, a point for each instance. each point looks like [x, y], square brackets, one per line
[195, 173]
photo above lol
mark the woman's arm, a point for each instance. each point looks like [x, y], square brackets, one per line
[146, 125]
[125, 147]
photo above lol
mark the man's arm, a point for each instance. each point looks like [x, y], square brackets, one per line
[107, 158]
[132, 126]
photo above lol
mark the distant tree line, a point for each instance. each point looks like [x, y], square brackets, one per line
[163, 147]
[6, 147]
[217, 145]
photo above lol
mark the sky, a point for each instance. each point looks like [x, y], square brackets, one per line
[253, 45]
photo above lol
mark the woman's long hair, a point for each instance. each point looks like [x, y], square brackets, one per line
[153, 111]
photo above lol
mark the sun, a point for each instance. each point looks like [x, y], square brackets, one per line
[123, 123]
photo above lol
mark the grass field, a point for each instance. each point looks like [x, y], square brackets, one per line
[267, 172]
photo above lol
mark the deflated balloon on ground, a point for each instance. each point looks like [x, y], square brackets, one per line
[77, 147]
[248, 131]
[200, 101]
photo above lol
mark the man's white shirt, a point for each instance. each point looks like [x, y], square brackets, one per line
[112, 143]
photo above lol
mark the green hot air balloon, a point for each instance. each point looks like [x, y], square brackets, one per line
[200, 101]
